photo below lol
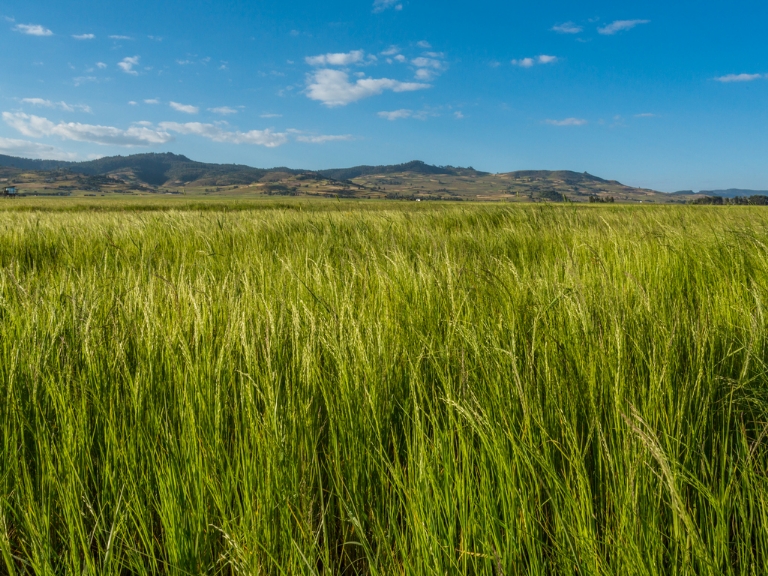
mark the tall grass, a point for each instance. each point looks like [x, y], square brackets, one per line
[451, 390]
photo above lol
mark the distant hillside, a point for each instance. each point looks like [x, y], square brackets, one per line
[152, 169]
[566, 176]
[175, 169]
[734, 193]
[30, 164]
[416, 167]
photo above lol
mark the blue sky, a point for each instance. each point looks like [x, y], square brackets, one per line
[668, 95]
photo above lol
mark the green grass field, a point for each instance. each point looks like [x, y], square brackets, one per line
[382, 388]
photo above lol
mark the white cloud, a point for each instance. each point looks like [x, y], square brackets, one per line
[381, 5]
[524, 62]
[428, 67]
[223, 110]
[83, 36]
[339, 59]
[127, 64]
[186, 108]
[646, 115]
[458, 115]
[33, 30]
[151, 101]
[27, 149]
[133, 103]
[333, 88]
[620, 26]
[101, 65]
[567, 122]
[400, 58]
[396, 114]
[118, 37]
[322, 139]
[567, 28]
[37, 127]
[740, 77]
[424, 44]
[59, 105]
[391, 51]
[271, 116]
[212, 132]
[529, 62]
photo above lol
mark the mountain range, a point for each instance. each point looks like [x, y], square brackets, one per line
[167, 172]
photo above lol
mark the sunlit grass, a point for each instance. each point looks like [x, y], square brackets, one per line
[338, 388]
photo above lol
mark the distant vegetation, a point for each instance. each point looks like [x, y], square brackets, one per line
[756, 200]
[342, 387]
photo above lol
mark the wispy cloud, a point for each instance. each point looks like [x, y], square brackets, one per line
[271, 116]
[530, 62]
[424, 44]
[101, 65]
[83, 36]
[223, 110]
[27, 149]
[620, 26]
[422, 62]
[338, 59]
[428, 67]
[646, 115]
[58, 105]
[567, 122]
[118, 37]
[217, 134]
[323, 138]
[84, 80]
[381, 5]
[33, 30]
[333, 88]
[404, 113]
[127, 64]
[38, 127]
[429, 64]
[186, 108]
[396, 114]
[740, 77]
[567, 28]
